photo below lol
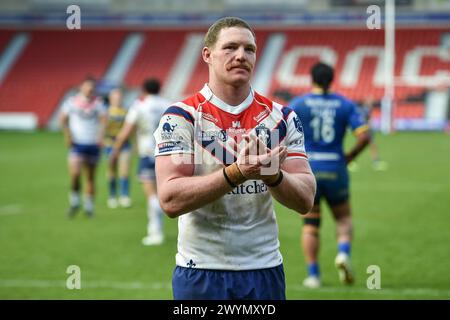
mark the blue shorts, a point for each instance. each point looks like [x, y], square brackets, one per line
[202, 284]
[333, 185]
[89, 153]
[146, 169]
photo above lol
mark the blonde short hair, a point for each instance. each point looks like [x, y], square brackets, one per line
[226, 22]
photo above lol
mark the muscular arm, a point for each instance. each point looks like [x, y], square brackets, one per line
[64, 123]
[298, 187]
[180, 192]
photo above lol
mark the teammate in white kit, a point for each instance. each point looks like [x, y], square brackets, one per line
[220, 187]
[144, 116]
[83, 120]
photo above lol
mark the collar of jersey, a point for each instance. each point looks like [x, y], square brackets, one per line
[85, 99]
[84, 102]
[209, 96]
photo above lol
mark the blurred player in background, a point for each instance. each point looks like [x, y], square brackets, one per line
[121, 170]
[83, 120]
[377, 163]
[326, 117]
[228, 245]
[144, 116]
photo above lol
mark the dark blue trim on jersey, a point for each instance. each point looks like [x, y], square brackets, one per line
[282, 131]
[180, 112]
[213, 145]
[286, 112]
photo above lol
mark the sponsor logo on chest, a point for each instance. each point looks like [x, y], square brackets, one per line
[261, 116]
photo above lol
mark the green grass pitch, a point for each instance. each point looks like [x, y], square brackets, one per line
[401, 222]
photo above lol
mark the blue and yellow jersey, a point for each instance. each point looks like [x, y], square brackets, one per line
[325, 119]
[116, 119]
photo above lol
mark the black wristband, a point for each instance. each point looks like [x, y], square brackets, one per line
[278, 181]
[228, 179]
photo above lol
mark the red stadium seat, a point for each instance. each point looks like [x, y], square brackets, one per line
[52, 63]
[55, 61]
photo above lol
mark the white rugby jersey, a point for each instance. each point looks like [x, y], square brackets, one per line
[84, 118]
[145, 113]
[238, 231]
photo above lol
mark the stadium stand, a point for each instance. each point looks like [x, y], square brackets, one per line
[5, 37]
[156, 56]
[53, 62]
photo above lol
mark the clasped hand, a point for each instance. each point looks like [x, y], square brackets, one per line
[256, 161]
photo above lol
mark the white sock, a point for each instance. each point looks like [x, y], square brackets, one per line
[74, 199]
[154, 216]
[89, 203]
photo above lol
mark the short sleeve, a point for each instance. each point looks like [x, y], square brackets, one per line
[295, 138]
[65, 108]
[357, 120]
[132, 114]
[175, 133]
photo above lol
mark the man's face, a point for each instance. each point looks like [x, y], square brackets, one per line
[233, 57]
[115, 97]
[87, 88]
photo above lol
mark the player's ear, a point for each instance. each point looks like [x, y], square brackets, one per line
[206, 55]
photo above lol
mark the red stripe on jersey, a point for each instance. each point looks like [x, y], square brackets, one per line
[297, 154]
[263, 100]
[247, 119]
[86, 103]
[195, 100]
